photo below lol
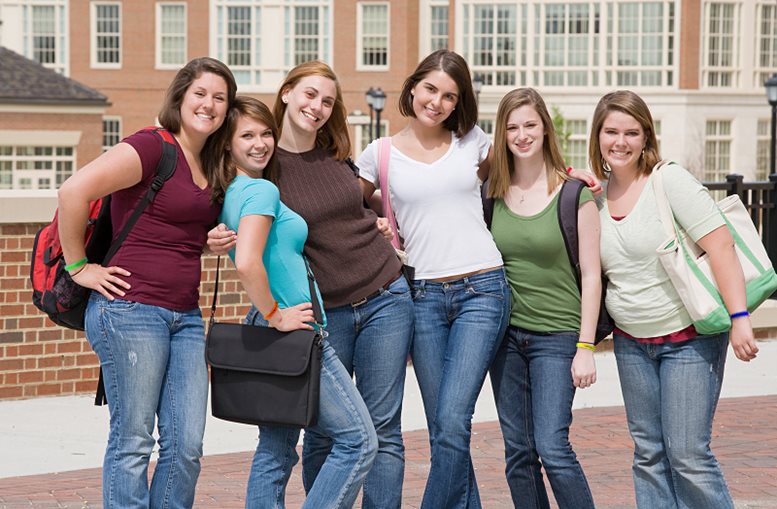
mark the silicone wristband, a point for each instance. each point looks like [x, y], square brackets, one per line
[272, 312]
[587, 346]
[75, 265]
[740, 314]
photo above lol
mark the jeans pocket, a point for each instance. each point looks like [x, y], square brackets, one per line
[491, 288]
[121, 306]
[398, 288]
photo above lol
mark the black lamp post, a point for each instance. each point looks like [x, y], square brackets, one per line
[477, 85]
[368, 97]
[378, 103]
[771, 96]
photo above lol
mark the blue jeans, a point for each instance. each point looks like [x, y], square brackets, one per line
[671, 391]
[372, 340]
[343, 418]
[458, 327]
[153, 362]
[532, 381]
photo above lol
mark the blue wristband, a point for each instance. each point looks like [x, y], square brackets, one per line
[739, 314]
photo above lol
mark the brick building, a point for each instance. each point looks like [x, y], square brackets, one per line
[700, 64]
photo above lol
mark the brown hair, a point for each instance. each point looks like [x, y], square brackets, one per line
[503, 164]
[170, 113]
[244, 106]
[333, 136]
[464, 117]
[631, 104]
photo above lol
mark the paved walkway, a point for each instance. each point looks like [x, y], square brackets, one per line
[745, 442]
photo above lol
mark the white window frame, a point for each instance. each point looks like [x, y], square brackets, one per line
[293, 39]
[116, 134]
[715, 142]
[504, 75]
[160, 35]
[10, 156]
[360, 36]
[710, 72]
[438, 41]
[94, 50]
[762, 146]
[60, 34]
[762, 72]
[577, 138]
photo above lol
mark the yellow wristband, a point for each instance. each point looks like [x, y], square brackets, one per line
[587, 346]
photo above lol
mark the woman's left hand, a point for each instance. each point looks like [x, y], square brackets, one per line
[588, 178]
[742, 340]
[384, 228]
[583, 369]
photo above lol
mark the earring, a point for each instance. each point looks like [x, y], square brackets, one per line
[284, 100]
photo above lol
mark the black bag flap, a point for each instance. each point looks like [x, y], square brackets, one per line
[259, 349]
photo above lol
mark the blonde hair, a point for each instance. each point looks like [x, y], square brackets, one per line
[503, 163]
[333, 135]
[631, 104]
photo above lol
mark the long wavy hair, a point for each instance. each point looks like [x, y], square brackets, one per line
[170, 112]
[631, 104]
[333, 135]
[503, 164]
[463, 118]
[244, 106]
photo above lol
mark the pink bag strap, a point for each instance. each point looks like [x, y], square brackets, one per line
[384, 156]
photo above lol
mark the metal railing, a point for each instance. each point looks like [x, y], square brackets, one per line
[760, 198]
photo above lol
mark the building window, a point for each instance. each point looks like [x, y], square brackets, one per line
[766, 42]
[170, 35]
[362, 135]
[763, 143]
[640, 44]
[247, 37]
[576, 150]
[717, 150]
[721, 44]
[44, 33]
[487, 124]
[566, 45]
[492, 45]
[106, 35]
[438, 38]
[111, 132]
[30, 167]
[373, 37]
[307, 34]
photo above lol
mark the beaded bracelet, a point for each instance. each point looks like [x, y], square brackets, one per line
[75, 265]
[587, 346]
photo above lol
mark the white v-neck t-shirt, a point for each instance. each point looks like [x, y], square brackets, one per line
[438, 208]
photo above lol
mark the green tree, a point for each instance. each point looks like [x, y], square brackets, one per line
[560, 124]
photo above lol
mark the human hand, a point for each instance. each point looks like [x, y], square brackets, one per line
[221, 240]
[742, 340]
[102, 279]
[588, 178]
[384, 228]
[293, 318]
[583, 369]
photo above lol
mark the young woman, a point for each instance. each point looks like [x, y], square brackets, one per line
[269, 262]
[670, 375]
[549, 346]
[461, 298]
[143, 319]
[368, 304]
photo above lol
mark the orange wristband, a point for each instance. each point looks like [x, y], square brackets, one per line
[272, 312]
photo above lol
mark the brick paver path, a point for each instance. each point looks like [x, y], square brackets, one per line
[745, 442]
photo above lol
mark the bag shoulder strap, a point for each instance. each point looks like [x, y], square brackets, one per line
[567, 208]
[662, 202]
[318, 315]
[384, 157]
[165, 169]
[488, 204]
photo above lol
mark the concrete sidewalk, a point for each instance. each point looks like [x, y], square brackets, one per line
[50, 435]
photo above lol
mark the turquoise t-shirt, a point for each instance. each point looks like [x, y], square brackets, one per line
[282, 257]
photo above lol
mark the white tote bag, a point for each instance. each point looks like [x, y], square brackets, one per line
[688, 266]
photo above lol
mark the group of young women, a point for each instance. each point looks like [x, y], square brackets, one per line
[505, 300]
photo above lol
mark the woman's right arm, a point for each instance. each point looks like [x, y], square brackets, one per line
[118, 168]
[251, 242]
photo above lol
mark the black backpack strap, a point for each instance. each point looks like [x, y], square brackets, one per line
[488, 204]
[352, 166]
[164, 170]
[568, 204]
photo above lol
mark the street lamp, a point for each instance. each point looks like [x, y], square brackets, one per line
[378, 103]
[771, 96]
[477, 85]
[368, 97]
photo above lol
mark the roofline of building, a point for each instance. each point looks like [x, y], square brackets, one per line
[55, 102]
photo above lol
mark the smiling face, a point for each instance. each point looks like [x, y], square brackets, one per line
[251, 146]
[434, 98]
[525, 133]
[204, 104]
[621, 140]
[309, 104]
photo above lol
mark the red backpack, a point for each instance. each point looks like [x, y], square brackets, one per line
[53, 290]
